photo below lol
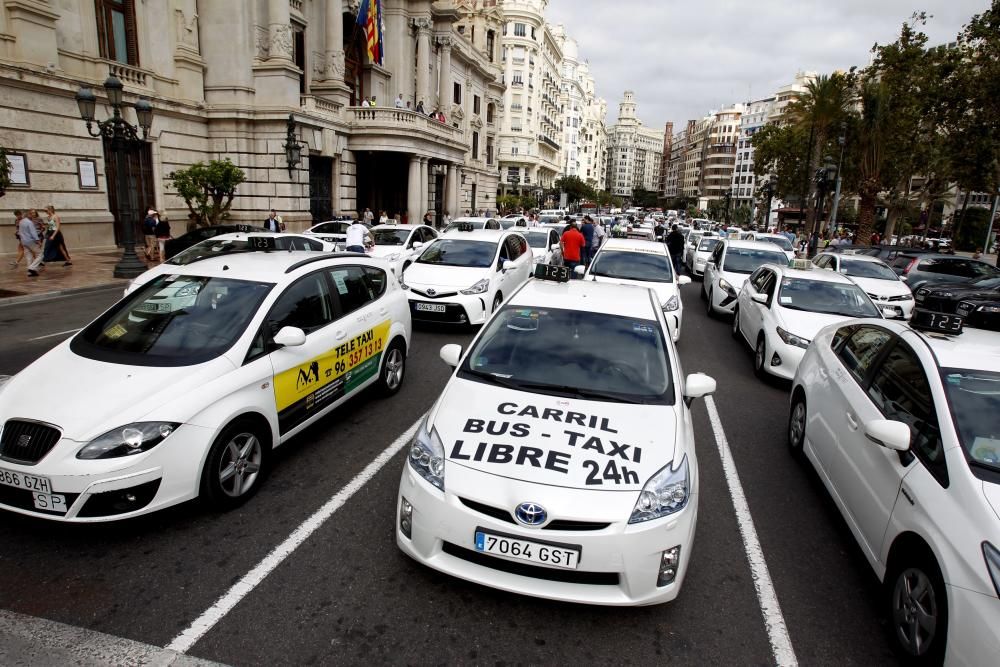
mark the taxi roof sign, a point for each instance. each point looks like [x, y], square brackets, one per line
[465, 227]
[800, 264]
[551, 272]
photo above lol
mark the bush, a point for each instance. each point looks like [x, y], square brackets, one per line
[208, 189]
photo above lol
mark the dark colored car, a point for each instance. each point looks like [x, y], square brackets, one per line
[978, 301]
[886, 253]
[931, 269]
[174, 246]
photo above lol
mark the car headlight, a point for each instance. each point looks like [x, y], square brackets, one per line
[992, 556]
[393, 257]
[127, 440]
[427, 456]
[539, 259]
[792, 339]
[479, 288]
[673, 303]
[666, 492]
[725, 285]
[903, 297]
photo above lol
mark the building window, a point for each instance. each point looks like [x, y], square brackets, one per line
[457, 93]
[532, 32]
[475, 145]
[475, 104]
[490, 110]
[519, 30]
[461, 30]
[116, 31]
[489, 150]
[490, 44]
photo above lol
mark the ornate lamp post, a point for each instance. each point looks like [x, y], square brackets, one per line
[293, 149]
[728, 197]
[768, 191]
[841, 141]
[121, 134]
[825, 177]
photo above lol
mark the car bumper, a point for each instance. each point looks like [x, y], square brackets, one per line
[699, 267]
[618, 564]
[118, 488]
[973, 637]
[458, 308]
[786, 356]
[724, 302]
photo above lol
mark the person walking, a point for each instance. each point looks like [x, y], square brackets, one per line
[572, 246]
[149, 234]
[383, 219]
[30, 241]
[445, 219]
[17, 235]
[162, 236]
[675, 246]
[429, 218]
[599, 235]
[368, 216]
[55, 243]
[587, 229]
[357, 237]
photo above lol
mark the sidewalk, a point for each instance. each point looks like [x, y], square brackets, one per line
[90, 270]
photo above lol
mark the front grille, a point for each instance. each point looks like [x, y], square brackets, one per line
[569, 524]
[26, 442]
[495, 512]
[555, 524]
[436, 295]
[533, 571]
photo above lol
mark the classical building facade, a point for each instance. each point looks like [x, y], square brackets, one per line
[224, 78]
[634, 152]
[583, 113]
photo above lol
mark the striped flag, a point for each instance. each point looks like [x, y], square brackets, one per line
[370, 18]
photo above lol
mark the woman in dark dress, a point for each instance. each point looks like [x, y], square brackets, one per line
[55, 244]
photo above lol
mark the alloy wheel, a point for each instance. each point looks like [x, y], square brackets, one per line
[394, 369]
[240, 464]
[914, 611]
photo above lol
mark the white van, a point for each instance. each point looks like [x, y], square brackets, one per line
[558, 212]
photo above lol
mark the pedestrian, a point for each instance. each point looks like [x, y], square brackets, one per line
[149, 234]
[162, 235]
[409, 105]
[572, 243]
[978, 254]
[365, 103]
[367, 217]
[383, 219]
[429, 218]
[17, 235]
[273, 222]
[599, 235]
[445, 219]
[675, 246]
[399, 101]
[357, 237]
[30, 241]
[813, 243]
[587, 229]
[420, 107]
[55, 243]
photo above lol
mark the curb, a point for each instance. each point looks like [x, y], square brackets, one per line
[46, 296]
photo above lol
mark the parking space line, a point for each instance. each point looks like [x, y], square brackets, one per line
[211, 616]
[774, 621]
[51, 335]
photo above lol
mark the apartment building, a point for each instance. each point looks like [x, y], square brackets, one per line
[635, 152]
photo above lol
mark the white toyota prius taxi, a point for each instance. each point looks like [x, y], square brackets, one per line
[559, 460]
[171, 403]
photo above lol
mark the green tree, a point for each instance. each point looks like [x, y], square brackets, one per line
[643, 198]
[527, 202]
[742, 215]
[575, 188]
[4, 172]
[780, 149]
[873, 134]
[208, 189]
[507, 202]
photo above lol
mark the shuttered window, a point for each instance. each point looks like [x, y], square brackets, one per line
[116, 32]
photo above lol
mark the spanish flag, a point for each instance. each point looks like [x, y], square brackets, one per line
[370, 18]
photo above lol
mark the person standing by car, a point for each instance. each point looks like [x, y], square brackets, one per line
[162, 235]
[30, 241]
[572, 247]
[587, 229]
[273, 222]
[357, 237]
[675, 246]
[149, 234]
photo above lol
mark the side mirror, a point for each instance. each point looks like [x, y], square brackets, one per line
[554, 246]
[709, 263]
[892, 435]
[507, 265]
[683, 280]
[579, 270]
[417, 245]
[759, 298]
[697, 385]
[290, 337]
[451, 354]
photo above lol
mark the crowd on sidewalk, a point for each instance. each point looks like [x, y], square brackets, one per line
[39, 240]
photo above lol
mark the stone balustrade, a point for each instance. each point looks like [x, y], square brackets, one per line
[402, 119]
[128, 74]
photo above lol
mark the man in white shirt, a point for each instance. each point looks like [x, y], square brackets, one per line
[368, 216]
[399, 102]
[357, 237]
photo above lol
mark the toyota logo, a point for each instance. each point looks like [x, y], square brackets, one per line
[431, 292]
[530, 514]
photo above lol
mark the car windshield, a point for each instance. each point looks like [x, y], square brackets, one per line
[390, 236]
[985, 283]
[779, 241]
[748, 260]
[974, 398]
[633, 265]
[860, 269]
[820, 296]
[507, 223]
[331, 228]
[538, 239]
[173, 321]
[216, 247]
[573, 353]
[459, 252]
[707, 245]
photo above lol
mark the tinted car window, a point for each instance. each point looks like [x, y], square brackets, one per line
[459, 252]
[378, 280]
[353, 289]
[861, 350]
[306, 305]
[746, 260]
[626, 265]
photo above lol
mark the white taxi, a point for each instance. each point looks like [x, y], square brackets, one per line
[463, 276]
[644, 264]
[875, 277]
[334, 231]
[399, 244]
[190, 403]
[728, 267]
[903, 428]
[559, 461]
[544, 244]
[779, 240]
[701, 253]
[780, 309]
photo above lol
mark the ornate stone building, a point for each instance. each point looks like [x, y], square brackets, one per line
[223, 76]
[635, 152]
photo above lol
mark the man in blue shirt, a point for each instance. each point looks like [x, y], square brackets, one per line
[27, 233]
[587, 229]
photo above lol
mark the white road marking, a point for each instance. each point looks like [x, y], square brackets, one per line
[52, 335]
[186, 639]
[777, 631]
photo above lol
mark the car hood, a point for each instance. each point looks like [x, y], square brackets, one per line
[663, 290]
[386, 250]
[113, 395]
[807, 324]
[735, 279]
[454, 277]
[960, 292]
[882, 287]
[549, 440]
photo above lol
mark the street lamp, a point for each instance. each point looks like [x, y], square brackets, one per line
[841, 141]
[121, 135]
[728, 197]
[825, 176]
[768, 190]
[293, 149]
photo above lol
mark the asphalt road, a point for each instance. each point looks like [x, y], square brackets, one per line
[348, 596]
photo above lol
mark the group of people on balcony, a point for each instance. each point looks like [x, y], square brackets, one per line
[437, 114]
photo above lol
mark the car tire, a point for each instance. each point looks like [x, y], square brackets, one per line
[701, 292]
[760, 356]
[797, 424]
[393, 368]
[497, 300]
[709, 308]
[236, 464]
[736, 323]
[913, 590]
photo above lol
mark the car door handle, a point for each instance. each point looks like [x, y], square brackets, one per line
[852, 421]
[823, 374]
[340, 334]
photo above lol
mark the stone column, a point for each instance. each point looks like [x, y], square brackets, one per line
[279, 25]
[413, 191]
[424, 179]
[422, 26]
[452, 186]
[444, 80]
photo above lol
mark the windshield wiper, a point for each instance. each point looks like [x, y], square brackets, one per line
[492, 378]
[581, 393]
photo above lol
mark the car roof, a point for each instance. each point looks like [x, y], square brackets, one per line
[818, 275]
[238, 236]
[759, 245]
[471, 219]
[477, 234]
[271, 267]
[605, 298]
[860, 258]
[635, 245]
[974, 348]
[391, 226]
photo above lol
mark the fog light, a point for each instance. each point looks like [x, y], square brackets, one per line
[405, 517]
[775, 359]
[669, 563]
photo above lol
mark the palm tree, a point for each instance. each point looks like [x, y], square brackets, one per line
[873, 130]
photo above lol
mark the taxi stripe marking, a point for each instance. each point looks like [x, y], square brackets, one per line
[183, 642]
[767, 598]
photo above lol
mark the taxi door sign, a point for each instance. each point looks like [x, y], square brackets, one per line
[302, 391]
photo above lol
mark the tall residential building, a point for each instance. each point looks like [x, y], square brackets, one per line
[224, 78]
[673, 179]
[719, 153]
[593, 135]
[744, 182]
[789, 93]
[668, 137]
[634, 152]
[689, 175]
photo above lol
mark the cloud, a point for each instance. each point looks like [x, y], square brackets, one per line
[685, 58]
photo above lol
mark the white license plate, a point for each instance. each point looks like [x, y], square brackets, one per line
[564, 557]
[430, 307]
[21, 481]
[49, 501]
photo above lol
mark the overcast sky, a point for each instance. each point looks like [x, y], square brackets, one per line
[684, 58]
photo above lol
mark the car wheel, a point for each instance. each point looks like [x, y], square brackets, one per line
[709, 309]
[236, 464]
[797, 425]
[393, 369]
[918, 609]
[736, 323]
[497, 300]
[701, 292]
[760, 356]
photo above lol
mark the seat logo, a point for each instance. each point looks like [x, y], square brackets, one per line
[23, 440]
[530, 514]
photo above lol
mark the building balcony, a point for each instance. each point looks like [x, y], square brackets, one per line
[404, 131]
[548, 142]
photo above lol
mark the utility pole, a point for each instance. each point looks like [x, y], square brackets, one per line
[842, 139]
